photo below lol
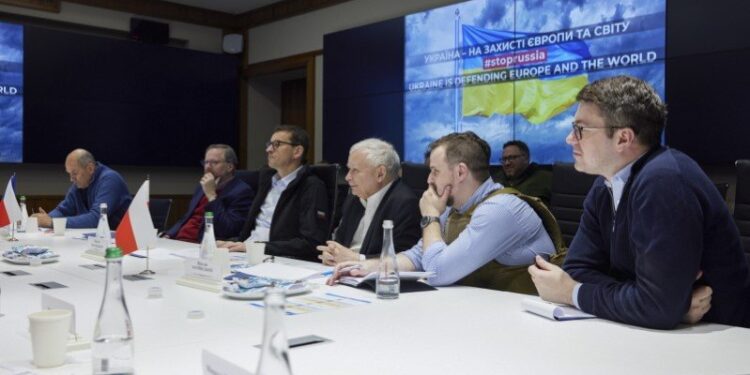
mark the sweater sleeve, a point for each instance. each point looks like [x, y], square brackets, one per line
[666, 237]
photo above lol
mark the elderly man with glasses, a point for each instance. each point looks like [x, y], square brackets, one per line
[657, 245]
[520, 174]
[290, 213]
[228, 198]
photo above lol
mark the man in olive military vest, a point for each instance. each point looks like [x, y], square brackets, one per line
[471, 232]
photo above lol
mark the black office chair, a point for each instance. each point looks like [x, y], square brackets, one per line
[329, 173]
[723, 189]
[159, 208]
[251, 178]
[742, 203]
[569, 189]
[415, 175]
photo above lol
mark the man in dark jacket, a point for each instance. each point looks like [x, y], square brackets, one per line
[228, 198]
[290, 212]
[656, 245]
[520, 174]
[377, 194]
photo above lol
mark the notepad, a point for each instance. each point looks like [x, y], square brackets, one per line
[409, 281]
[553, 311]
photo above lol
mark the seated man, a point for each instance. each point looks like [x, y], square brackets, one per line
[471, 232]
[529, 179]
[656, 238]
[93, 184]
[228, 198]
[290, 211]
[377, 194]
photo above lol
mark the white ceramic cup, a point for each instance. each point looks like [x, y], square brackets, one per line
[32, 225]
[255, 252]
[49, 336]
[58, 224]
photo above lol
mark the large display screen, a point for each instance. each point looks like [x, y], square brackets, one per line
[509, 69]
[11, 93]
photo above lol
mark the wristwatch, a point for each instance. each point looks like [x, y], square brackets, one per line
[427, 220]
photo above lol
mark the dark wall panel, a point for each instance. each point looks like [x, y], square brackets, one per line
[363, 79]
[128, 103]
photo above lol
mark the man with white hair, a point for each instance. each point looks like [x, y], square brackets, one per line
[377, 194]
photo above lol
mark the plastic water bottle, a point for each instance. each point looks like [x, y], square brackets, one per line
[208, 244]
[388, 283]
[112, 346]
[21, 226]
[103, 238]
[274, 355]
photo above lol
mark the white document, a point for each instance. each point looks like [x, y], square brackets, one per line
[157, 253]
[552, 310]
[214, 365]
[279, 271]
[413, 275]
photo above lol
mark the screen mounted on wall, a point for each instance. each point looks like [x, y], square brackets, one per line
[11, 93]
[511, 69]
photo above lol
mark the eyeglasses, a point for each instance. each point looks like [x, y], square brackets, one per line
[276, 144]
[578, 129]
[509, 158]
[212, 163]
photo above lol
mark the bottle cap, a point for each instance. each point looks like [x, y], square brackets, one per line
[113, 252]
[387, 224]
[209, 215]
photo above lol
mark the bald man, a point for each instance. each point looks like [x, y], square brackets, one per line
[93, 184]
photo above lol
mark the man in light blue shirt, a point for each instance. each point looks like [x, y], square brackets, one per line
[501, 229]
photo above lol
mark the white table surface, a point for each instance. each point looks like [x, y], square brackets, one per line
[455, 330]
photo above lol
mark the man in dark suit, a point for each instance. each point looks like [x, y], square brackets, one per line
[228, 198]
[377, 194]
[290, 213]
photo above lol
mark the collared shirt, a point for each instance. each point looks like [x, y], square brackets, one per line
[617, 185]
[263, 221]
[371, 205]
[503, 228]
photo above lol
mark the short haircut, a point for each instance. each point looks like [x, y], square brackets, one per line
[298, 137]
[628, 102]
[521, 146]
[229, 155]
[379, 152]
[85, 158]
[466, 148]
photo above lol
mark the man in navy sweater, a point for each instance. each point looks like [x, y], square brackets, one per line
[656, 245]
[93, 183]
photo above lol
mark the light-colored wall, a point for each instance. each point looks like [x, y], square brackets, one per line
[51, 179]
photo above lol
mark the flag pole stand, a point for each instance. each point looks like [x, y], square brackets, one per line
[13, 232]
[147, 271]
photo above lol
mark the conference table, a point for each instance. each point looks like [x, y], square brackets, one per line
[453, 330]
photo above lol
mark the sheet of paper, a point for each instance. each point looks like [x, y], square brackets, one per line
[279, 271]
[318, 302]
[552, 310]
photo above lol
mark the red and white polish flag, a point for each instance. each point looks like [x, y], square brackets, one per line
[10, 211]
[136, 230]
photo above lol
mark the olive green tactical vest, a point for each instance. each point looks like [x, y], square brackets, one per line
[494, 275]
